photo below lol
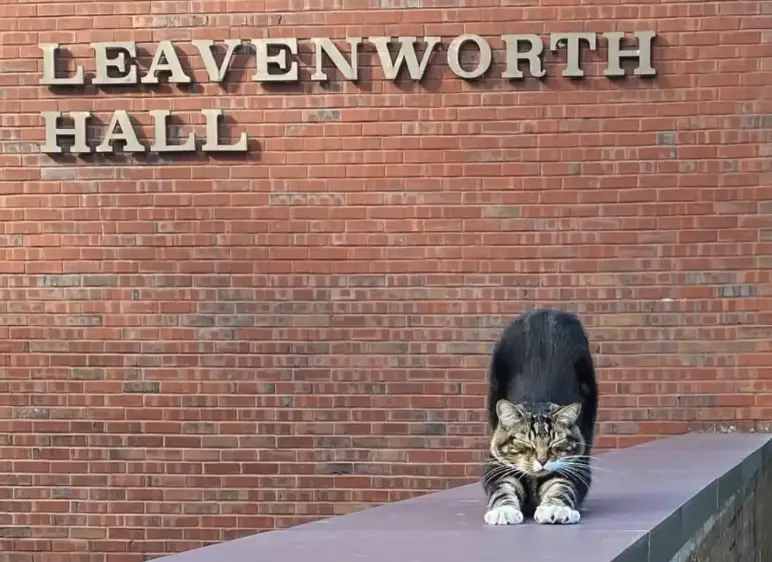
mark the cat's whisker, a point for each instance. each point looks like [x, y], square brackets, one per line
[579, 468]
[581, 479]
[567, 470]
[593, 468]
[575, 461]
[500, 472]
[500, 468]
[503, 462]
[583, 457]
[584, 460]
[586, 475]
[510, 468]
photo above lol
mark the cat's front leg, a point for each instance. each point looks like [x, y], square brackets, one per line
[505, 499]
[557, 503]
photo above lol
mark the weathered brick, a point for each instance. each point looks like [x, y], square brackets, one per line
[58, 174]
[337, 468]
[322, 115]
[290, 328]
[143, 387]
[101, 281]
[503, 212]
[666, 138]
[58, 281]
[386, 4]
[734, 291]
[34, 413]
[430, 429]
[87, 373]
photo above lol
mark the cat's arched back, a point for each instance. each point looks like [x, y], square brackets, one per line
[544, 356]
[542, 406]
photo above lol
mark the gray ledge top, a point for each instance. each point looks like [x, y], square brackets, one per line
[646, 503]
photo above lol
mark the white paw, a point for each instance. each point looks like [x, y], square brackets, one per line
[504, 515]
[556, 514]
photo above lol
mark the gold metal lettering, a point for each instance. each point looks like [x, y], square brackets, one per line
[532, 55]
[104, 62]
[49, 77]
[127, 134]
[166, 60]
[216, 73]
[161, 134]
[350, 71]
[406, 55]
[573, 50]
[53, 132]
[212, 143]
[642, 53]
[289, 69]
[454, 56]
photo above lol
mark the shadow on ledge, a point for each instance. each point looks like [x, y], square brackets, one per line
[691, 498]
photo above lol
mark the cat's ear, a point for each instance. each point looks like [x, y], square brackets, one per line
[566, 415]
[509, 414]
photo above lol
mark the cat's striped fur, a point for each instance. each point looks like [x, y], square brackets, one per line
[542, 405]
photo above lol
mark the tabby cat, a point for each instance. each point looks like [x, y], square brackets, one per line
[542, 405]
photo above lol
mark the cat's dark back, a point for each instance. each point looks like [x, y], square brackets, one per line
[544, 356]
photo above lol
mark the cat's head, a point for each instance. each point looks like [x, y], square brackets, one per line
[537, 441]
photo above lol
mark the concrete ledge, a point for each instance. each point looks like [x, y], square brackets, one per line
[693, 497]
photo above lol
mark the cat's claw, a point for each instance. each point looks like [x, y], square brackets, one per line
[504, 515]
[556, 515]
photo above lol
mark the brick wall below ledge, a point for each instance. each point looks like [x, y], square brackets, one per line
[740, 533]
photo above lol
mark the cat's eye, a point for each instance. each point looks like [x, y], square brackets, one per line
[517, 448]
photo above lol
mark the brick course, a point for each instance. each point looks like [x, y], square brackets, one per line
[198, 347]
[735, 534]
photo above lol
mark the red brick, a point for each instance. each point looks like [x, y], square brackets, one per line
[196, 349]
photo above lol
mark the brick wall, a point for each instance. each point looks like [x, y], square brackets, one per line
[195, 348]
[736, 533]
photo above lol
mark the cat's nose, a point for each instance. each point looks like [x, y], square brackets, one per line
[542, 460]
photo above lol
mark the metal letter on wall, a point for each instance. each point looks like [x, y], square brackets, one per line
[532, 55]
[642, 53]
[53, 132]
[166, 60]
[212, 143]
[454, 56]
[350, 71]
[573, 50]
[127, 134]
[289, 69]
[216, 73]
[49, 77]
[406, 55]
[114, 65]
[104, 62]
[161, 128]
